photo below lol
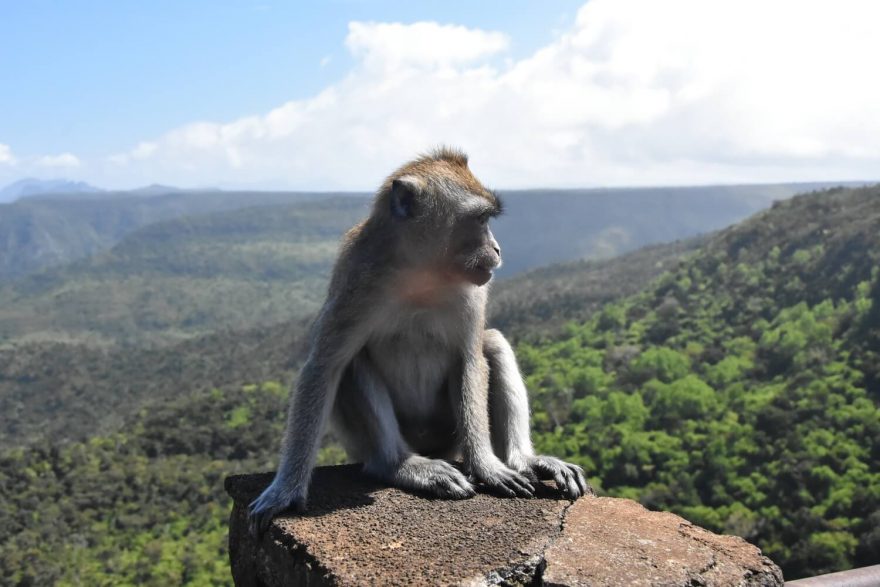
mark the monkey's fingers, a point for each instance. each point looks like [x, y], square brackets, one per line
[511, 484]
[581, 479]
[263, 510]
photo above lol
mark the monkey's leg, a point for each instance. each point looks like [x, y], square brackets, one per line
[509, 412]
[469, 390]
[337, 338]
[364, 416]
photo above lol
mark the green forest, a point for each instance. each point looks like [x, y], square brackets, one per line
[739, 388]
[141, 507]
[740, 391]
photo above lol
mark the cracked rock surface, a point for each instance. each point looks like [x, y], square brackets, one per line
[359, 532]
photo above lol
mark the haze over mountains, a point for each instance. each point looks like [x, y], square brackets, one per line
[136, 267]
[31, 186]
[50, 226]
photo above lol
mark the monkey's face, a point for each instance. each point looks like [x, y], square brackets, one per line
[475, 252]
[445, 227]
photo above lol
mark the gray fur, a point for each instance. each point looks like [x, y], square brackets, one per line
[403, 362]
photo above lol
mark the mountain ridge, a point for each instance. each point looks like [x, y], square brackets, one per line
[31, 186]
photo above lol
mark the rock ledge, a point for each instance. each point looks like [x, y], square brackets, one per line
[359, 532]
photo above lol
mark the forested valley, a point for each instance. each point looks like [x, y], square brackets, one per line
[733, 379]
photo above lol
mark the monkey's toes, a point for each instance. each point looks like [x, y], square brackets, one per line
[569, 478]
[434, 477]
[453, 489]
[509, 483]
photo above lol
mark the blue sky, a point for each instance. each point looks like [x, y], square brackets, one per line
[334, 95]
[96, 77]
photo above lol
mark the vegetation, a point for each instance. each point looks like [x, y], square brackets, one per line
[185, 264]
[538, 303]
[44, 231]
[742, 390]
[141, 507]
[69, 391]
[62, 392]
[183, 278]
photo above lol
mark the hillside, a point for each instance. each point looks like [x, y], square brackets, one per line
[144, 506]
[69, 391]
[538, 303]
[742, 389]
[265, 264]
[186, 277]
[48, 230]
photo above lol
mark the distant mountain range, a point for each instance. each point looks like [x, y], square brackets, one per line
[43, 229]
[32, 186]
[135, 269]
[50, 230]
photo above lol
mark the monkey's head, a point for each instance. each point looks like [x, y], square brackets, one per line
[440, 213]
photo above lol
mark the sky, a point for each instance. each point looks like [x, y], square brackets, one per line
[336, 94]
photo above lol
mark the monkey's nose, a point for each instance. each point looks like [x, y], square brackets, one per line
[497, 249]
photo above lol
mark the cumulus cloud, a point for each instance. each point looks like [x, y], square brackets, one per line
[64, 160]
[393, 46]
[634, 92]
[6, 156]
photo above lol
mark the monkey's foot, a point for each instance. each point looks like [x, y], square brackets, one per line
[272, 502]
[505, 481]
[432, 476]
[569, 477]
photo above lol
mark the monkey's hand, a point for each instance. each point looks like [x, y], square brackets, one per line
[499, 478]
[274, 500]
[569, 478]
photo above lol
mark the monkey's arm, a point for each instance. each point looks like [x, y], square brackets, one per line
[473, 413]
[337, 338]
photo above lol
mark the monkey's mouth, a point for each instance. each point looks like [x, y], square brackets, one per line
[479, 275]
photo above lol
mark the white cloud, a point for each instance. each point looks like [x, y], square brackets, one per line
[6, 156]
[64, 160]
[634, 92]
[392, 46]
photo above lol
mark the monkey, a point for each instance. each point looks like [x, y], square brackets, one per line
[401, 359]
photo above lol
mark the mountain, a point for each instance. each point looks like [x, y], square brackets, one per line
[186, 277]
[537, 304]
[51, 230]
[739, 385]
[742, 389]
[69, 391]
[31, 186]
[540, 227]
[544, 226]
[214, 270]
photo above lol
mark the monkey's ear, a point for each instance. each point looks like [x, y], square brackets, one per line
[403, 197]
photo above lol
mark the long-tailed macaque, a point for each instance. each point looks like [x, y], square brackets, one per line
[401, 358]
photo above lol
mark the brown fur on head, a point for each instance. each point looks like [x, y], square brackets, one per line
[440, 213]
[443, 165]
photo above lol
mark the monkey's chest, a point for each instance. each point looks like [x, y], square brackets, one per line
[416, 368]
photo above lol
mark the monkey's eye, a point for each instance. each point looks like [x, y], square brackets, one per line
[484, 218]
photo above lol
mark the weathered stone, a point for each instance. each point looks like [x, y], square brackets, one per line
[359, 532]
[607, 541]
